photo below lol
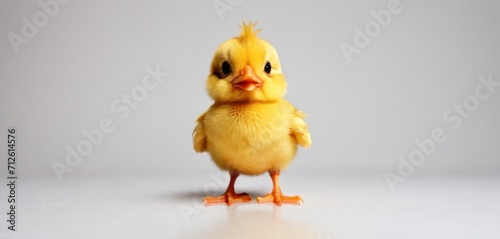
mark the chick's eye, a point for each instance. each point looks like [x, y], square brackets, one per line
[267, 68]
[226, 68]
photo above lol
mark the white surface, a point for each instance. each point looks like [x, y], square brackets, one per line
[335, 207]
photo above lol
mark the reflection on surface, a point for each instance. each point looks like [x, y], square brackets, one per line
[248, 221]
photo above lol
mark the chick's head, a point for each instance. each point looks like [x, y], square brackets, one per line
[245, 69]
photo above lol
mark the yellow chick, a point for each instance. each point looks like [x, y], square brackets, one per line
[250, 128]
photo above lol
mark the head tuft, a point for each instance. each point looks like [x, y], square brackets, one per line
[248, 31]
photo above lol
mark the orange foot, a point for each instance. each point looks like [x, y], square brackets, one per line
[276, 195]
[279, 198]
[229, 198]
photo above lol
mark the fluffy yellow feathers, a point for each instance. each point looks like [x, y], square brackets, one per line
[250, 128]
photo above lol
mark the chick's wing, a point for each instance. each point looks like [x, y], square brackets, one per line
[299, 129]
[199, 135]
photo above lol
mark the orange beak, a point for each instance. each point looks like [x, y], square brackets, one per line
[247, 80]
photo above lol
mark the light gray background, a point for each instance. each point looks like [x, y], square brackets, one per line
[363, 114]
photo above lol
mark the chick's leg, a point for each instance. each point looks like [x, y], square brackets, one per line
[276, 195]
[230, 196]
